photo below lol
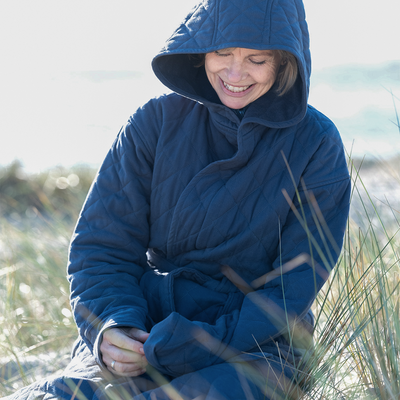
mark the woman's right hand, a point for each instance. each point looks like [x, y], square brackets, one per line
[125, 347]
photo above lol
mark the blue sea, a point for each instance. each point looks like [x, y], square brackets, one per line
[73, 117]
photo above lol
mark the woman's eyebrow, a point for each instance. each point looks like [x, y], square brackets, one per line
[262, 53]
[227, 50]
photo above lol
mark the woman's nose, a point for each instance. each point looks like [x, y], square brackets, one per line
[235, 71]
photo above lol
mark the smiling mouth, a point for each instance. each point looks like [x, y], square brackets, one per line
[235, 89]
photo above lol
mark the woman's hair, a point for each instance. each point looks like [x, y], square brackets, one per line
[287, 74]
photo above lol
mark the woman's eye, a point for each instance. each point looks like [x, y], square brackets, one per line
[221, 54]
[258, 62]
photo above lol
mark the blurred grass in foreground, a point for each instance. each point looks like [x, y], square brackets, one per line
[357, 336]
[38, 214]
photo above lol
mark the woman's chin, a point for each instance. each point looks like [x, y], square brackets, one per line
[235, 103]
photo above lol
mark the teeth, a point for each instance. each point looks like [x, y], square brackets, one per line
[236, 89]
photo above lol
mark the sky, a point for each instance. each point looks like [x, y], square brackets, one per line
[72, 72]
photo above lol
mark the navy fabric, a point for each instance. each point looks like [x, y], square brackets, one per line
[213, 233]
[240, 378]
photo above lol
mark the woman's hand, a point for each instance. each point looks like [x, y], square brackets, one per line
[122, 351]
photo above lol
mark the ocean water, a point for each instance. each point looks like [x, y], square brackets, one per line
[364, 102]
[73, 117]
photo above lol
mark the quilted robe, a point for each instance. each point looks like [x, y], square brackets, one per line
[211, 232]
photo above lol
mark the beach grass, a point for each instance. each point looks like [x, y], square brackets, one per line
[357, 334]
[38, 214]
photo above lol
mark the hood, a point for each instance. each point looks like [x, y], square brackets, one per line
[254, 24]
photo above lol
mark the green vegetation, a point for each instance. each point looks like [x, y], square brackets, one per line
[358, 328]
[38, 214]
[58, 192]
[357, 336]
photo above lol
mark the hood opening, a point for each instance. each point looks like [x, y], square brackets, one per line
[179, 73]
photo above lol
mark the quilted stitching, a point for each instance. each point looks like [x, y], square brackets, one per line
[186, 179]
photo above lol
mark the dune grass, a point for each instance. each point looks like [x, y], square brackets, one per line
[357, 335]
[38, 214]
[35, 313]
[358, 332]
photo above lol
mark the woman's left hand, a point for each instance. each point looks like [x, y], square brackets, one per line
[122, 351]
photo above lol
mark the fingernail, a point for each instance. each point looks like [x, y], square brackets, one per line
[141, 350]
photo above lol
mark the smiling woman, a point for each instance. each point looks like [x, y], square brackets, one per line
[190, 263]
[240, 76]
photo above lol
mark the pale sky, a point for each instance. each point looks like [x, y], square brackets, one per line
[54, 109]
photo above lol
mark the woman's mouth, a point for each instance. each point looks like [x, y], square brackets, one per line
[235, 89]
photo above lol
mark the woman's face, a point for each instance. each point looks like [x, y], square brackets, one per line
[240, 76]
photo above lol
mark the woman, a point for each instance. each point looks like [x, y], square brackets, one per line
[213, 222]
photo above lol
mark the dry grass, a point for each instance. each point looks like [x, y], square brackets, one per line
[357, 334]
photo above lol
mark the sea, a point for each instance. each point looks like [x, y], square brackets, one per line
[72, 117]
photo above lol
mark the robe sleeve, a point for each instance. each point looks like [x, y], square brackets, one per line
[108, 249]
[310, 242]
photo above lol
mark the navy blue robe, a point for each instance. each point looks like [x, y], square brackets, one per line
[212, 232]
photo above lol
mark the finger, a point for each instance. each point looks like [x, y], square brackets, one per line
[121, 355]
[124, 369]
[109, 357]
[138, 334]
[118, 338]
